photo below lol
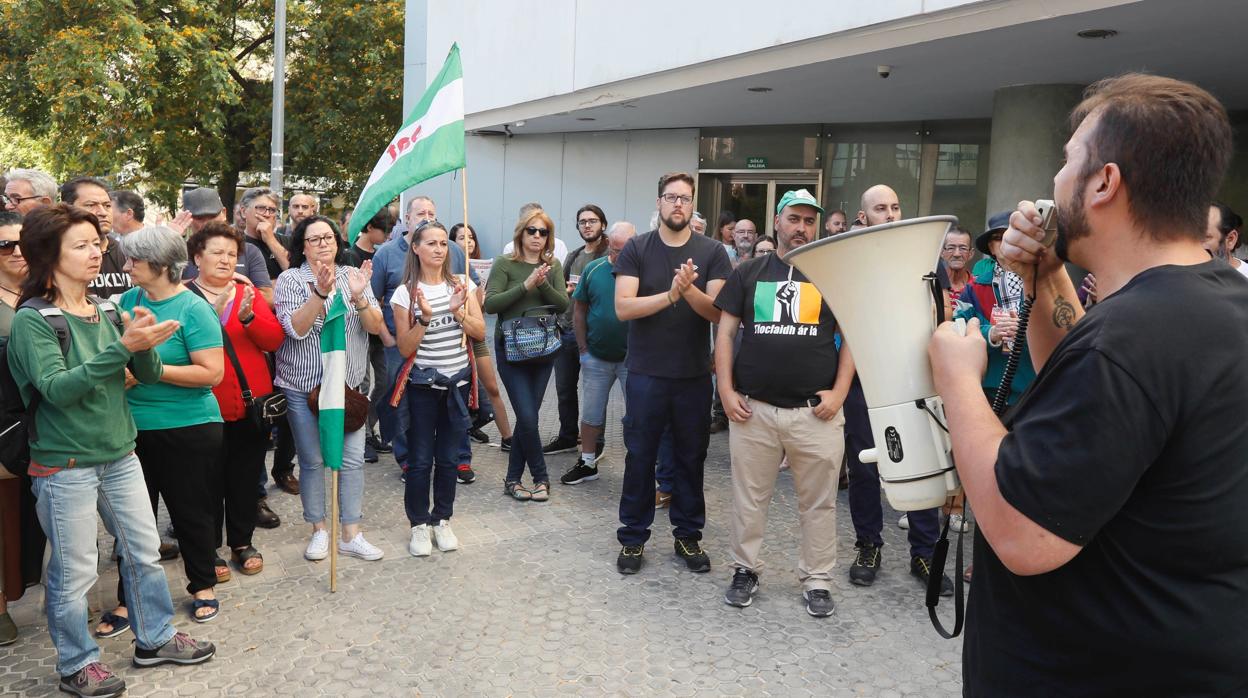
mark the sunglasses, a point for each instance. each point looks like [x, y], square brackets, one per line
[537, 231]
[7, 247]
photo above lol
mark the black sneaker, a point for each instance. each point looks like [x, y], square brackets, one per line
[560, 445]
[182, 649]
[581, 472]
[505, 444]
[95, 680]
[921, 567]
[819, 602]
[866, 565]
[370, 453]
[629, 560]
[265, 518]
[719, 424]
[741, 592]
[479, 436]
[378, 445]
[691, 552]
[465, 474]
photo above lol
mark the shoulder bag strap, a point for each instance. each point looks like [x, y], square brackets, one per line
[229, 350]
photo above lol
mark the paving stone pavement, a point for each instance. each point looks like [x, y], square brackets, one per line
[531, 605]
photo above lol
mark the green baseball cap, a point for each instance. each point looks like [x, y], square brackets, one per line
[801, 197]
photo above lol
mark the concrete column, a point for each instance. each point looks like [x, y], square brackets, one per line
[1030, 124]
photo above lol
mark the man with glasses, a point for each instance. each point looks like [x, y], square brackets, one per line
[27, 190]
[260, 208]
[955, 258]
[836, 223]
[204, 206]
[744, 235]
[92, 194]
[591, 223]
[666, 281]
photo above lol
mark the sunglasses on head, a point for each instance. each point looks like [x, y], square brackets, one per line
[7, 247]
[537, 231]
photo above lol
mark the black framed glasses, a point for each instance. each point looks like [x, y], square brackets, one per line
[17, 200]
[677, 198]
[531, 230]
[7, 247]
[585, 222]
[268, 210]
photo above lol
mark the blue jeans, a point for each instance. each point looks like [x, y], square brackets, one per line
[526, 386]
[439, 424]
[67, 504]
[598, 376]
[654, 406]
[865, 508]
[393, 421]
[304, 426]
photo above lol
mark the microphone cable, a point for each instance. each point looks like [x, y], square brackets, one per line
[1001, 399]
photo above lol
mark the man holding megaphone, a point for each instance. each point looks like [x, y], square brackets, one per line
[1111, 551]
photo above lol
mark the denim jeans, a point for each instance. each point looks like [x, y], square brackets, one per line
[865, 508]
[438, 427]
[598, 376]
[526, 385]
[393, 420]
[654, 406]
[567, 373]
[304, 426]
[67, 504]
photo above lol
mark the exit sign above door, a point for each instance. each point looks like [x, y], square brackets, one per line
[756, 163]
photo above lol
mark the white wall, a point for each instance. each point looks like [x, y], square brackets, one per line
[522, 50]
[617, 170]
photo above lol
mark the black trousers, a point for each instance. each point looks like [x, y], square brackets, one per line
[177, 465]
[234, 479]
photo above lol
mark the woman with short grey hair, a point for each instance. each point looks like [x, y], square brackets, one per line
[178, 419]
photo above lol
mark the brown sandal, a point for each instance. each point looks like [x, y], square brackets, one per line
[223, 571]
[242, 555]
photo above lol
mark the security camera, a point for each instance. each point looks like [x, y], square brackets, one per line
[884, 71]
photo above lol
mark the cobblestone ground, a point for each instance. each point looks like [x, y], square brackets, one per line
[531, 605]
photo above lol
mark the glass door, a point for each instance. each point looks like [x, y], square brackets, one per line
[751, 195]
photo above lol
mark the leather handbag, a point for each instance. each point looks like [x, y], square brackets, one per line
[354, 403]
[261, 411]
[532, 338]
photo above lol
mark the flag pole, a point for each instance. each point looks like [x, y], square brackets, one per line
[463, 190]
[333, 533]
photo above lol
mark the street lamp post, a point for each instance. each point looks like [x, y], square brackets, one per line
[279, 98]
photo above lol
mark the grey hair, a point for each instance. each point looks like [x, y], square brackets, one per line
[162, 248]
[40, 182]
[621, 229]
[414, 199]
[699, 217]
[255, 193]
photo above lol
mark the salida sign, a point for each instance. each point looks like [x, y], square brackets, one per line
[402, 143]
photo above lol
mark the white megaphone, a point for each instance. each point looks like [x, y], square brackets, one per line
[878, 283]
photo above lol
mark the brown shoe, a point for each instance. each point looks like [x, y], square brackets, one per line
[288, 482]
[662, 499]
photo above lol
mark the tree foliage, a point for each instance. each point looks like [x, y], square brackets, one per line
[161, 92]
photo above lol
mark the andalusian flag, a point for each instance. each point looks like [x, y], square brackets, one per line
[430, 142]
[787, 302]
[331, 403]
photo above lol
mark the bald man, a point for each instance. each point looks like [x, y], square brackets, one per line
[302, 206]
[879, 206]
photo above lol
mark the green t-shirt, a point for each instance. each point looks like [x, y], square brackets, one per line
[164, 405]
[606, 335]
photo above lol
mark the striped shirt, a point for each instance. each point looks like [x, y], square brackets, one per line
[443, 346]
[299, 357]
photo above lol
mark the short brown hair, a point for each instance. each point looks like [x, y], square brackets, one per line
[676, 177]
[213, 229]
[1172, 142]
[40, 240]
[517, 241]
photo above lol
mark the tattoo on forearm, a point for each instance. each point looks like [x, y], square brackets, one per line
[1063, 313]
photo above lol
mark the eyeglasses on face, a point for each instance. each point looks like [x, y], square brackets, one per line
[7, 247]
[319, 240]
[957, 248]
[17, 200]
[267, 210]
[531, 230]
[677, 198]
[586, 222]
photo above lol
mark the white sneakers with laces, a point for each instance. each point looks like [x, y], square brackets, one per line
[358, 547]
[318, 547]
[445, 537]
[420, 545]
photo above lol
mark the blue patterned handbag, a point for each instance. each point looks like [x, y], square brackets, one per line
[532, 338]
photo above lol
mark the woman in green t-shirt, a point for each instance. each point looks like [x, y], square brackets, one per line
[178, 419]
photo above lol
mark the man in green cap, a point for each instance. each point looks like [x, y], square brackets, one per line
[783, 389]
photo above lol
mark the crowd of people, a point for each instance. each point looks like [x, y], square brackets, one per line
[163, 361]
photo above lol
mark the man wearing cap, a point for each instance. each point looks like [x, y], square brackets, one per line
[880, 205]
[204, 205]
[783, 390]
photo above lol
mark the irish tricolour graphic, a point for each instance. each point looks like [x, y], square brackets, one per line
[790, 302]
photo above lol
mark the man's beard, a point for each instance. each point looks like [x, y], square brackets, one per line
[591, 238]
[1072, 221]
[673, 226]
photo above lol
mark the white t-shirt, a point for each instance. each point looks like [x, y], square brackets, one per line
[561, 250]
[443, 347]
[1242, 268]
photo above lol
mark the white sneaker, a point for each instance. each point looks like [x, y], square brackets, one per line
[419, 545]
[318, 547]
[358, 547]
[958, 523]
[445, 537]
[904, 521]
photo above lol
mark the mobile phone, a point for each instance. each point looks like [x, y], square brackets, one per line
[1048, 220]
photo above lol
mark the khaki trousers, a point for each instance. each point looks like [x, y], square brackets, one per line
[814, 449]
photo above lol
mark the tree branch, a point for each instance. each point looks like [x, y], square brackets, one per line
[242, 83]
[255, 44]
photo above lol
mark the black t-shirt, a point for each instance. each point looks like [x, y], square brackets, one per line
[275, 269]
[674, 342]
[1130, 442]
[788, 346]
[112, 281]
[356, 256]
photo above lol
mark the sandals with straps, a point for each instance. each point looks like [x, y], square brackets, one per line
[242, 555]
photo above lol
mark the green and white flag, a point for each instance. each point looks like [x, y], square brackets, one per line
[331, 403]
[430, 143]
